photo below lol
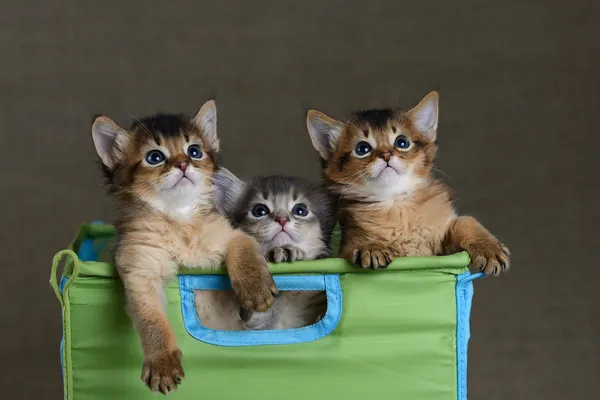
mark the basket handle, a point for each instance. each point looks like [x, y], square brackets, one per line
[53, 279]
[329, 283]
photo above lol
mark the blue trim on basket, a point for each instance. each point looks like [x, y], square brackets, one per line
[61, 286]
[464, 299]
[329, 283]
[86, 251]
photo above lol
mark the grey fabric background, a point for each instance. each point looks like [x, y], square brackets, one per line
[518, 130]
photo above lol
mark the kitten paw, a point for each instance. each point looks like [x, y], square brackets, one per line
[163, 372]
[490, 256]
[283, 254]
[256, 291]
[372, 257]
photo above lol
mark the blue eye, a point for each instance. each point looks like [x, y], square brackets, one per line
[260, 210]
[300, 210]
[402, 142]
[194, 151]
[363, 148]
[155, 157]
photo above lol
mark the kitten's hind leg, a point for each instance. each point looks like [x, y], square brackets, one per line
[487, 253]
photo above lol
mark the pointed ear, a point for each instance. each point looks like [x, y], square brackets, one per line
[109, 139]
[206, 121]
[425, 115]
[324, 132]
[228, 191]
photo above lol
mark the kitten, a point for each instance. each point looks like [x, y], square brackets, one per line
[379, 164]
[160, 172]
[292, 220]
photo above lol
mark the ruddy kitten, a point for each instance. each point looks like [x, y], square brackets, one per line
[292, 220]
[160, 172]
[379, 164]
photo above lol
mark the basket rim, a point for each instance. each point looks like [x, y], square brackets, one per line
[455, 264]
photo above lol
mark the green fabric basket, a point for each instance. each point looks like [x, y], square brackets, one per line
[399, 333]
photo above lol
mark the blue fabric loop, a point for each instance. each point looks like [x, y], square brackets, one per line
[330, 283]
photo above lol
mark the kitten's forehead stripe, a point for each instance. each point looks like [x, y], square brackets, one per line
[167, 125]
[377, 118]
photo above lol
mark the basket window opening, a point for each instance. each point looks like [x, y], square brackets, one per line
[220, 310]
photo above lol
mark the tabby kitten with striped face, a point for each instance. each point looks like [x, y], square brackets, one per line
[291, 219]
[378, 163]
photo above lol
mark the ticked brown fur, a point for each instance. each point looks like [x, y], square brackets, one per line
[168, 219]
[390, 204]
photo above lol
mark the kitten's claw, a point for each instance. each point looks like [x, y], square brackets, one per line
[283, 254]
[162, 373]
[490, 257]
[295, 254]
[372, 257]
[278, 255]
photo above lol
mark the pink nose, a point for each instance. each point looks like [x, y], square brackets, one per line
[386, 155]
[282, 220]
[182, 166]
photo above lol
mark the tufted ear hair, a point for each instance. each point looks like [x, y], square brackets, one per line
[424, 116]
[109, 139]
[324, 132]
[206, 121]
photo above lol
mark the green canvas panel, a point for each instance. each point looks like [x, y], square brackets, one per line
[396, 338]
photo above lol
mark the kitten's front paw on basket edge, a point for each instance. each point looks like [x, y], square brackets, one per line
[283, 254]
[163, 372]
[255, 292]
[373, 257]
[490, 257]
